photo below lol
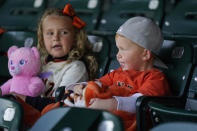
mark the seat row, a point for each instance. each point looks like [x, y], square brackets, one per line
[175, 17]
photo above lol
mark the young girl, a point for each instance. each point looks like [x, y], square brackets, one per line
[66, 55]
[63, 41]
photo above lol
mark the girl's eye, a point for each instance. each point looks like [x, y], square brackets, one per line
[49, 33]
[64, 32]
[22, 62]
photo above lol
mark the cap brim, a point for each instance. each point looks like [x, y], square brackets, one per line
[159, 63]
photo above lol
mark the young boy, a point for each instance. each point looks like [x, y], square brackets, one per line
[138, 40]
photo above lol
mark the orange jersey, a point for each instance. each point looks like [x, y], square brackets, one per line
[151, 82]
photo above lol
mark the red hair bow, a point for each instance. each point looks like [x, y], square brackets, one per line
[2, 30]
[77, 22]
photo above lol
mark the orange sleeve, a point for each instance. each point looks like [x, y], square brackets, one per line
[107, 80]
[155, 85]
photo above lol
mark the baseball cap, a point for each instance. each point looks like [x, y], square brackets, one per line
[144, 32]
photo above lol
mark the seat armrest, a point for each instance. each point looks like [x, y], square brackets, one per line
[59, 93]
[142, 107]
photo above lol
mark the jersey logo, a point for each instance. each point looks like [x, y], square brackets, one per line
[119, 84]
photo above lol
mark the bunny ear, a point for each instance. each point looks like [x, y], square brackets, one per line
[29, 42]
[36, 52]
[11, 49]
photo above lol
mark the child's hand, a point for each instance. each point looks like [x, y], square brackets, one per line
[18, 95]
[105, 104]
[78, 89]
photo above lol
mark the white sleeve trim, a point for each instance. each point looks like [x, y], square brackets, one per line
[127, 103]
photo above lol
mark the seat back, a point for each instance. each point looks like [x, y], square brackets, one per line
[191, 102]
[11, 115]
[116, 12]
[101, 49]
[112, 63]
[75, 119]
[8, 39]
[176, 126]
[178, 56]
[21, 14]
[185, 13]
[163, 114]
[88, 10]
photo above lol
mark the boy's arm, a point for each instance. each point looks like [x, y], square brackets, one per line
[127, 103]
[155, 85]
[103, 104]
[104, 81]
[107, 80]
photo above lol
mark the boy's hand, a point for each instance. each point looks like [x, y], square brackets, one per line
[78, 89]
[105, 104]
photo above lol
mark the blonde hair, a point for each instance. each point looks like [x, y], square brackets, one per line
[81, 50]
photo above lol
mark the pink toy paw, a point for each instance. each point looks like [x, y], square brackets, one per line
[36, 87]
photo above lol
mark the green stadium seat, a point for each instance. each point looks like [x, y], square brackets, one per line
[8, 39]
[191, 101]
[11, 115]
[1, 2]
[162, 114]
[21, 14]
[88, 10]
[101, 49]
[181, 20]
[78, 119]
[179, 58]
[176, 126]
[112, 63]
[170, 5]
[115, 13]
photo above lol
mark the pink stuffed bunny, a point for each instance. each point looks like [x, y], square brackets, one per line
[23, 64]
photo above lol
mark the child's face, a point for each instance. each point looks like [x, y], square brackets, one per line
[130, 55]
[58, 34]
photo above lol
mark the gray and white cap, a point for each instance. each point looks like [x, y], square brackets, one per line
[144, 32]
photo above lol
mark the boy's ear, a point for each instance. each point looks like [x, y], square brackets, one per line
[147, 55]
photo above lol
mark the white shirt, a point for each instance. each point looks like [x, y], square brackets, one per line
[63, 74]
